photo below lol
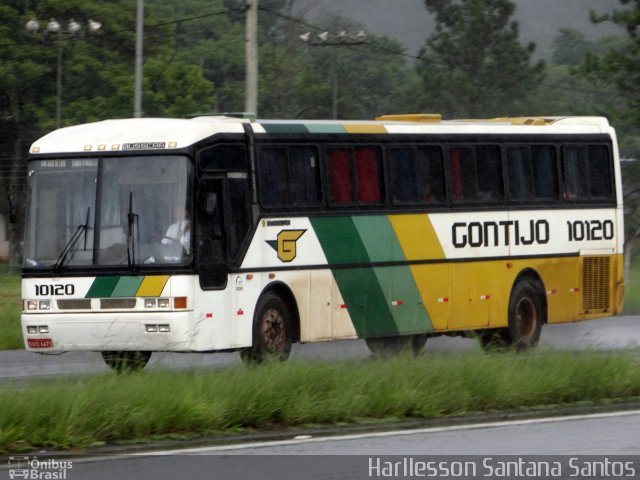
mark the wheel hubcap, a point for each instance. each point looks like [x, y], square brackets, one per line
[526, 318]
[273, 331]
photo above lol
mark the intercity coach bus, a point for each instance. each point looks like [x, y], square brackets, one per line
[232, 234]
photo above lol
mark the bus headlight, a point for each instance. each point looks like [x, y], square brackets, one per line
[149, 303]
[31, 305]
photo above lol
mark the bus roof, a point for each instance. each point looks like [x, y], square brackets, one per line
[165, 133]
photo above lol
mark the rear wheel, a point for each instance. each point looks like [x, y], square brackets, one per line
[526, 315]
[126, 361]
[272, 333]
[388, 346]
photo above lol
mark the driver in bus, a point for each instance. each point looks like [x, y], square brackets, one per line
[179, 232]
[176, 242]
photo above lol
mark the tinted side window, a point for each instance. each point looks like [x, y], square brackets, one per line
[417, 175]
[586, 172]
[304, 176]
[532, 173]
[368, 169]
[289, 176]
[223, 158]
[339, 172]
[476, 173]
[600, 172]
[273, 176]
[354, 175]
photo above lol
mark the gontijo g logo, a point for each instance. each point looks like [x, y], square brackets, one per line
[285, 244]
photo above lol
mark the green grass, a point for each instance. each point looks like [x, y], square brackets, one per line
[632, 288]
[10, 308]
[80, 412]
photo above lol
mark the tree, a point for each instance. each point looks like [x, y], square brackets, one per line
[570, 47]
[619, 67]
[474, 64]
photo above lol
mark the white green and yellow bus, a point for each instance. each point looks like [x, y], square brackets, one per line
[228, 234]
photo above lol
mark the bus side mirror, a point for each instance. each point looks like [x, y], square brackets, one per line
[13, 208]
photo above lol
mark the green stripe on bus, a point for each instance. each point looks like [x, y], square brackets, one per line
[127, 287]
[340, 240]
[102, 287]
[397, 283]
[365, 302]
[359, 287]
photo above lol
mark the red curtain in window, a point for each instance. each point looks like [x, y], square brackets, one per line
[368, 175]
[339, 175]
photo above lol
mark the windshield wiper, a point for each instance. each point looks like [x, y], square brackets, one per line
[132, 222]
[69, 248]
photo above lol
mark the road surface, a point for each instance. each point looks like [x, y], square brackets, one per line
[606, 435]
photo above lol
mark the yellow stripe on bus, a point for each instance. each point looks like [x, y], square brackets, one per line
[417, 237]
[152, 286]
[364, 128]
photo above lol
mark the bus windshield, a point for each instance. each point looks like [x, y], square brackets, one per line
[117, 211]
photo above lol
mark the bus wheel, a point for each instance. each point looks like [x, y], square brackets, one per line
[525, 316]
[387, 346]
[494, 340]
[272, 333]
[126, 361]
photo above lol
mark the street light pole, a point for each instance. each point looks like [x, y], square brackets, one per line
[137, 96]
[54, 27]
[251, 58]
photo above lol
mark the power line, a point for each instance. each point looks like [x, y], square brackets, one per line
[315, 27]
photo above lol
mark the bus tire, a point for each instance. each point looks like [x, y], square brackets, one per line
[124, 361]
[272, 332]
[387, 346]
[526, 314]
[494, 340]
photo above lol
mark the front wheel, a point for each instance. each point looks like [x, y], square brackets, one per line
[126, 361]
[272, 333]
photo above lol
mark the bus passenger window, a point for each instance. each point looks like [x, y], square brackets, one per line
[520, 174]
[417, 175]
[575, 162]
[489, 172]
[599, 171]
[339, 175]
[403, 174]
[273, 176]
[304, 185]
[464, 173]
[430, 175]
[545, 172]
[368, 174]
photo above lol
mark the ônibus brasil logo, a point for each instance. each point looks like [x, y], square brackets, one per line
[34, 469]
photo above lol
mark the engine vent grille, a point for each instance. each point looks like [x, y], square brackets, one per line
[595, 283]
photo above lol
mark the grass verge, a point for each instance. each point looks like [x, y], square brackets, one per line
[81, 412]
[10, 308]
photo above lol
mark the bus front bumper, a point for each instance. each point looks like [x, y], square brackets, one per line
[153, 331]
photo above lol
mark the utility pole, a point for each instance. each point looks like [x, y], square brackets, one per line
[251, 58]
[137, 96]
